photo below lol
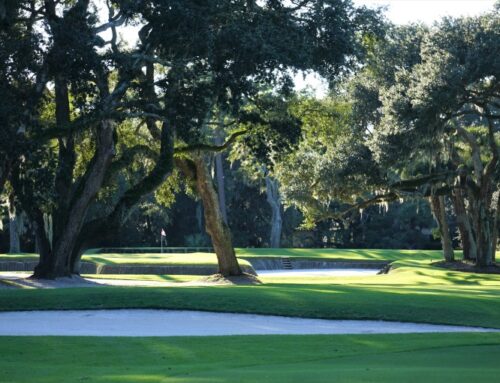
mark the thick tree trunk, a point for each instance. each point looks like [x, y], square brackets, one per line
[215, 225]
[45, 267]
[14, 227]
[197, 171]
[274, 200]
[105, 226]
[93, 179]
[45, 264]
[484, 228]
[55, 257]
[66, 159]
[439, 212]
[482, 195]
[469, 246]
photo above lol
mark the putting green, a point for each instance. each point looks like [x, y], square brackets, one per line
[210, 258]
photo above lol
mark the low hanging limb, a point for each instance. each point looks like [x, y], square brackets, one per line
[398, 190]
[211, 148]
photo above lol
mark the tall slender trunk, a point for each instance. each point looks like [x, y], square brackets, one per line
[219, 176]
[469, 246]
[494, 241]
[199, 216]
[4, 172]
[14, 227]
[196, 171]
[274, 200]
[439, 212]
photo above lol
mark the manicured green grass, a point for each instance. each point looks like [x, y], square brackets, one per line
[18, 257]
[414, 293]
[209, 258]
[425, 358]
[347, 254]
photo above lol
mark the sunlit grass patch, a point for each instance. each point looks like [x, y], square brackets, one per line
[398, 358]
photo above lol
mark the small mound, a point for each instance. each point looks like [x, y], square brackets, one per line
[385, 270]
[73, 281]
[468, 267]
[244, 279]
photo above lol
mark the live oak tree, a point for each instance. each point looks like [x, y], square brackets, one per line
[450, 102]
[398, 52]
[74, 85]
[332, 167]
[423, 124]
[245, 46]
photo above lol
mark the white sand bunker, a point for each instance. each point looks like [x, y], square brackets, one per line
[194, 323]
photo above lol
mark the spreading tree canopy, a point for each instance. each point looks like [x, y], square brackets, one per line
[76, 92]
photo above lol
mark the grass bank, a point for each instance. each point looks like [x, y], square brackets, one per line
[413, 292]
[200, 258]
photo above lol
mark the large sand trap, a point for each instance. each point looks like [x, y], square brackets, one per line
[189, 323]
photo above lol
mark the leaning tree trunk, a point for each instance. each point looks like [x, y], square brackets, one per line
[104, 227]
[196, 171]
[56, 262]
[439, 212]
[469, 246]
[274, 200]
[14, 227]
[216, 227]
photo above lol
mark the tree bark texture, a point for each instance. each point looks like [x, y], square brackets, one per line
[274, 200]
[219, 174]
[102, 227]
[439, 212]
[482, 195]
[55, 255]
[484, 227]
[464, 225]
[197, 171]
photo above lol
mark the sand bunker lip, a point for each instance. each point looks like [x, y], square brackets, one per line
[135, 323]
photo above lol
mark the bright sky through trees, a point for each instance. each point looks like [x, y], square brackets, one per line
[407, 11]
[428, 11]
[398, 11]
